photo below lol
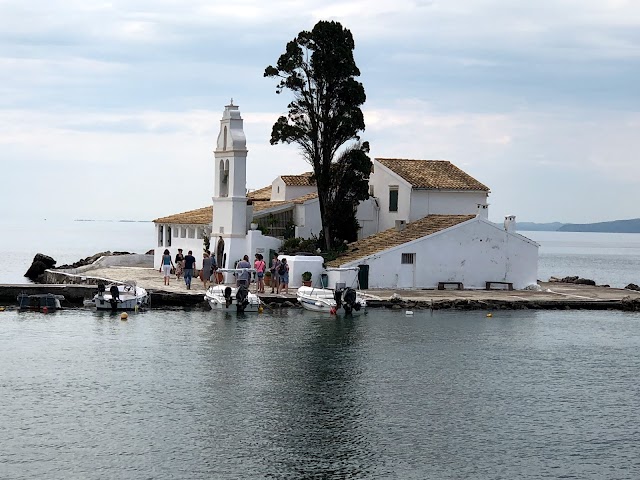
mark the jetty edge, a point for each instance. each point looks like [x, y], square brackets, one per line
[551, 297]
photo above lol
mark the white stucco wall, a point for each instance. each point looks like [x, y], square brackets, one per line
[298, 264]
[434, 202]
[368, 217]
[473, 253]
[306, 216]
[381, 179]
[281, 192]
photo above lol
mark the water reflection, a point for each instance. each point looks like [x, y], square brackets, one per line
[191, 394]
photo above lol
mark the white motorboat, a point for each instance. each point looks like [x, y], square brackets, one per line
[229, 298]
[126, 296]
[325, 300]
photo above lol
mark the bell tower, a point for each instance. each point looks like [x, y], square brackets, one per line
[230, 189]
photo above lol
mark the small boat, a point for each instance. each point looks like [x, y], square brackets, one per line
[40, 301]
[325, 300]
[126, 296]
[227, 298]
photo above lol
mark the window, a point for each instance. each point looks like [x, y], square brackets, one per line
[168, 236]
[160, 235]
[371, 191]
[408, 258]
[393, 199]
[191, 233]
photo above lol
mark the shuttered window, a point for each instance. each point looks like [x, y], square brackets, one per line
[393, 199]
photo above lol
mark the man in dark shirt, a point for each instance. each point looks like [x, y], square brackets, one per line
[189, 265]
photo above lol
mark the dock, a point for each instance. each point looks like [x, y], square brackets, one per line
[551, 295]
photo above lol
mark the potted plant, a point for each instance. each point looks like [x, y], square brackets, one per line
[267, 278]
[306, 279]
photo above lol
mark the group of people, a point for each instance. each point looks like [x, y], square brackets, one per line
[279, 275]
[185, 266]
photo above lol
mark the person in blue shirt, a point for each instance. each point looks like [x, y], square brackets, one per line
[189, 266]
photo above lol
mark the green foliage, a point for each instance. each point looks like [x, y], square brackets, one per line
[292, 246]
[306, 276]
[206, 242]
[318, 68]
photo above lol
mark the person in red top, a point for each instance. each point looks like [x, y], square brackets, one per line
[260, 267]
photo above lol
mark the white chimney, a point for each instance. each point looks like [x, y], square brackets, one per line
[400, 224]
[483, 211]
[510, 223]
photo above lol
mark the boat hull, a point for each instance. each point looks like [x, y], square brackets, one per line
[216, 299]
[322, 300]
[129, 298]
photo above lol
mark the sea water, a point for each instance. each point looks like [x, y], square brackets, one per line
[293, 394]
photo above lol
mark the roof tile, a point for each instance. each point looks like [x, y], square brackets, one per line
[435, 174]
[392, 238]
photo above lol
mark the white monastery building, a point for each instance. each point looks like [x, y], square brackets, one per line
[426, 222]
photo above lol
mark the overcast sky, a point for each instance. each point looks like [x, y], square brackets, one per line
[110, 109]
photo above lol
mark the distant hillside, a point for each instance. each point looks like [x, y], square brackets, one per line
[533, 227]
[615, 226]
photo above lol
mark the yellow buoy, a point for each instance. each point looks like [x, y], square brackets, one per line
[489, 315]
[124, 316]
[260, 309]
[1, 309]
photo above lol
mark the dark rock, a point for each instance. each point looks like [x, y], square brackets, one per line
[39, 265]
[585, 281]
[36, 269]
[151, 252]
[633, 286]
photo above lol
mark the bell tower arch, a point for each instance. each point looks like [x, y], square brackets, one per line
[230, 185]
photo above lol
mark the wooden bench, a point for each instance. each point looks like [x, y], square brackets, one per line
[508, 284]
[458, 285]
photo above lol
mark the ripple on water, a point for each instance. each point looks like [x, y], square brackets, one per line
[177, 394]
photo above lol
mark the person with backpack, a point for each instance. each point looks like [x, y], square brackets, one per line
[283, 274]
[275, 263]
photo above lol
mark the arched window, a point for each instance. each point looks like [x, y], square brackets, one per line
[224, 177]
[224, 145]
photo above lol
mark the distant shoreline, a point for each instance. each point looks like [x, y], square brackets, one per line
[614, 226]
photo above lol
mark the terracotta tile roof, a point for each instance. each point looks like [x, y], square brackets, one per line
[305, 198]
[260, 194]
[392, 237]
[440, 174]
[302, 180]
[201, 216]
[260, 205]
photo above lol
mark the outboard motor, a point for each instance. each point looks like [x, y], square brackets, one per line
[242, 298]
[115, 297]
[337, 296]
[101, 289]
[227, 297]
[349, 299]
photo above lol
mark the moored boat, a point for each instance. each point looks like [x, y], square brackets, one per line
[325, 300]
[230, 298]
[40, 301]
[126, 296]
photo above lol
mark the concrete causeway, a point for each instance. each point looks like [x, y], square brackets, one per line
[550, 296]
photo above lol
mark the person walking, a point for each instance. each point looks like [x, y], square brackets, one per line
[260, 267]
[179, 264]
[205, 273]
[275, 281]
[189, 265]
[283, 273]
[165, 266]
